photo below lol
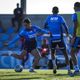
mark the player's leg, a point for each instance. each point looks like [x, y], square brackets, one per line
[74, 50]
[53, 46]
[24, 60]
[73, 55]
[21, 56]
[36, 55]
[64, 51]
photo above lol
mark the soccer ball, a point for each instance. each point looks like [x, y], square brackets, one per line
[19, 68]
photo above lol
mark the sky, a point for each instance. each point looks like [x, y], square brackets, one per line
[38, 6]
[7, 6]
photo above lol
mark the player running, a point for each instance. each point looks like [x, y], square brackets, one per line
[54, 24]
[29, 33]
[76, 36]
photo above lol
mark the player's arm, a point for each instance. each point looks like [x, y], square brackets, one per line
[65, 26]
[42, 31]
[46, 27]
[75, 23]
[75, 27]
[46, 23]
[16, 38]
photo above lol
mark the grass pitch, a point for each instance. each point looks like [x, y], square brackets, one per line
[10, 74]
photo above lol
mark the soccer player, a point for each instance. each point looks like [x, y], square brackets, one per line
[54, 24]
[29, 33]
[76, 36]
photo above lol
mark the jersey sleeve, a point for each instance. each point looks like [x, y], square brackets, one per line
[22, 33]
[38, 29]
[14, 40]
[64, 24]
[62, 20]
[74, 17]
[46, 23]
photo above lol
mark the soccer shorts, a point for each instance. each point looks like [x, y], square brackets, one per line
[30, 45]
[59, 43]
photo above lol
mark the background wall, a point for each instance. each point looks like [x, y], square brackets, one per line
[36, 19]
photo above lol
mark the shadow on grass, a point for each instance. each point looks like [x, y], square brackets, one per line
[61, 74]
[34, 78]
[65, 75]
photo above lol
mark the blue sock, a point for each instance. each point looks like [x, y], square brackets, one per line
[76, 67]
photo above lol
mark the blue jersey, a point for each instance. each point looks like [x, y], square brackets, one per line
[29, 34]
[54, 24]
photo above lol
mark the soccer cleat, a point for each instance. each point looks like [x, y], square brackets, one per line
[70, 73]
[54, 69]
[76, 72]
[31, 70]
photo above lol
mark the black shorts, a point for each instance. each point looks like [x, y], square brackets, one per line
[59, 43]
[30, 45]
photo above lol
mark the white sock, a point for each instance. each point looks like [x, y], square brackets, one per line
[54, 62]
[76, 67]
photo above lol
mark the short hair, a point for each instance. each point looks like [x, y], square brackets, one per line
[55, 10]
[77, 4]
[17, 4]
[27, 21]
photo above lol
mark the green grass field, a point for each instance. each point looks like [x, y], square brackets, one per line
[10, 74]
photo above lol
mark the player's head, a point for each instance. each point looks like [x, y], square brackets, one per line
[17, 5]
[77, 6]
[55, 10]
[27, 23]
